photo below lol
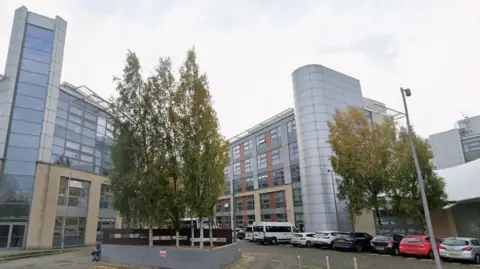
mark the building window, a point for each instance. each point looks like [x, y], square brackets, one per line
[251, 219]
[104, 224]
[249, 186]
[239, 223]
[278, 178]
[276, 159]
[262, 161]
[236, 151]
[281, 217]
[279, 199]
[239, 204]
[293, 149]
[226, 191]
[275, 135]
[74, 231]
[266, 217]
[261, 140]
[248, 165]
[262, 181]
[265, 200]
[295, 173]
[219, 205]
[78, 192]
[299, 221]
[250, 202]
[368, 114]
[219, 222]
[471, 148]
[247, 146]
[291, 129]
[237, 168]
[227, 222]
[237, 185]
[106, 197]
[297, 197]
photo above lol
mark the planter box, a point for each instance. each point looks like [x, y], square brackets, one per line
[171, 257]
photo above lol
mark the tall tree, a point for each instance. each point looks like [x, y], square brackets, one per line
[204, 152]
[139, 175]
[362, 156]
[405, 190]
[168, 101]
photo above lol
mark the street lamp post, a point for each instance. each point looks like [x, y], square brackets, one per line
[407, 92]
[335, 199]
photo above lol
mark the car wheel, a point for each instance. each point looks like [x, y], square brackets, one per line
[430, 254]
[274, 241]
[333, 246]
[309, 244]
[396, 252]
[293, 245]
[330, 245]
[477, 259]
[358, 248]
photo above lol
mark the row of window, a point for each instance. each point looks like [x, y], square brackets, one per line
[277, 202]
[275, 137]
[278, 179]
[262, 159]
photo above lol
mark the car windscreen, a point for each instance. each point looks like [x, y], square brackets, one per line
[382, 238]
[298, 235]
[455, 242]
[258, 228]
[249, 229]
[344, 236]
[412, 239]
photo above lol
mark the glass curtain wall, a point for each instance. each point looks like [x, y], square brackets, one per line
[17, 184]
[83, 135]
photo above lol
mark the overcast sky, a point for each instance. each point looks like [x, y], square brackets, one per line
[249, 48]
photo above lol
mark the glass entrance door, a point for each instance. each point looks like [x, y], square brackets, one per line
[4, 231]
[12, 235]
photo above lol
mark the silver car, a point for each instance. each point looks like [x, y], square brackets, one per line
[460, 248]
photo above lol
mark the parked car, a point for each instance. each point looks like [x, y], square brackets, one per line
[460, 248]
[386, 244]
[240, 233]
[324, 239]
[417, 245]
[352, 241]
[302, 239]
[249, 233]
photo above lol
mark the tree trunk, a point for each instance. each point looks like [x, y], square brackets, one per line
[211, 233]
[177, 238]
[193, 231]
[150, 236]
[379, 220]
[201, 236]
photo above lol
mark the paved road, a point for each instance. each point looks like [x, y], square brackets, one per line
[287, 257]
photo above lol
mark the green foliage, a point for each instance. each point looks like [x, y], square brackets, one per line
[362, 154]
[405, 192]
[168, 152]
[376, 158]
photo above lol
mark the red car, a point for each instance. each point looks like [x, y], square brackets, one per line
[417, 245]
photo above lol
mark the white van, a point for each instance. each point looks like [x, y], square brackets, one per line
[273, 232]
[249, 233]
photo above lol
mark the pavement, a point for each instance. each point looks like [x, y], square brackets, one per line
[255, 256]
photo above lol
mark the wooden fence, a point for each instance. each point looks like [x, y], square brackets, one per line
[165, 237]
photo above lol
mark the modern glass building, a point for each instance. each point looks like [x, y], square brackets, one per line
[53, 138]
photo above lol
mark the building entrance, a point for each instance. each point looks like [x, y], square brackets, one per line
[12, 235]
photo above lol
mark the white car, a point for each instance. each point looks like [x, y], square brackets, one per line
[302, 239]
[249, 233]
[324, 239]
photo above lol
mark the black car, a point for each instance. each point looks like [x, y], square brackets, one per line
[240, 233]
[387, 244]
[352, 241]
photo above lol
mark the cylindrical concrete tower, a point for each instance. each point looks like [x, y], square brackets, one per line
[318, 93]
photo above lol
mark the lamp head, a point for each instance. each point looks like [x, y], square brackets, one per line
[407, 92]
